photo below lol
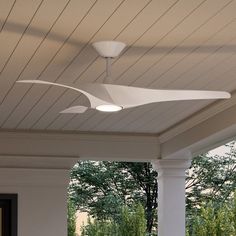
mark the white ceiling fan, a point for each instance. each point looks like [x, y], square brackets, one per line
[108, 97]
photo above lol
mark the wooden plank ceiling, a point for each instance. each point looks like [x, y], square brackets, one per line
[172, 44]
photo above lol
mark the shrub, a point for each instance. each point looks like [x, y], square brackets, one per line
[71, 219]
[130, 223]
[215, 220]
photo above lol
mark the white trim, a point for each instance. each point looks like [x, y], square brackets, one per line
[37, 162]
[81, 146]
[204, 136]
[171, 196]
[171, 168]
[34, 177]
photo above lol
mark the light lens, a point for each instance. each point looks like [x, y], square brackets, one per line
[109, 108]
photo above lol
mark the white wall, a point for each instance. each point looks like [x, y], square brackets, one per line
[41, 200]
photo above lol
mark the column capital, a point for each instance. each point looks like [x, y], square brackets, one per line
[170, 167]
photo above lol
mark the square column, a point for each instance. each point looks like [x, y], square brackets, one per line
[171, 196]
[42, 199]
[40, 183]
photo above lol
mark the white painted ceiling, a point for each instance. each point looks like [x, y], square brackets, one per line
[172, 44]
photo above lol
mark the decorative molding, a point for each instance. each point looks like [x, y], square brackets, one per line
[171, 168]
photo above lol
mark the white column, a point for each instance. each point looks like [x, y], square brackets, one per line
[41, 185]
[171, 196]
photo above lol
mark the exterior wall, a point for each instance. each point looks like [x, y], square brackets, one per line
[82, 219]
[42, 207]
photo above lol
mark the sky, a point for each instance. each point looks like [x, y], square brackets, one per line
[221, 150]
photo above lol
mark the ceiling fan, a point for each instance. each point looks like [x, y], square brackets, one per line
[108, 97]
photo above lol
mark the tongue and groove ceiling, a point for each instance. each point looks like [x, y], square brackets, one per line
[172, 44]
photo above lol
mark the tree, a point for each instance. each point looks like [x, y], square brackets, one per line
[71, 218]
[132, 222]
[100, 228]
[215, 220]
[102, 188]
[211, 178]
[146, 177]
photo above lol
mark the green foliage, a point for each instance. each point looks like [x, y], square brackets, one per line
[210, 185]
[146, 178]
[100, 228]
[234, 210]
[211, 178]
[98, 187]
[103, 188]
[215, 220]
[71, 219]
[132, 222]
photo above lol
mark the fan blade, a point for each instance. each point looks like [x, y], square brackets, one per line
[133, 96]
[75, 109]
[94, 101]
[127, 97]
[48, 83]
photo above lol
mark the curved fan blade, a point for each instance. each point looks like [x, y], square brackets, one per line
[127, 97]
[75, 109]
[133, 96]
[94, 100]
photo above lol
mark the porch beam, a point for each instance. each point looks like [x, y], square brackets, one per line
[83, 146]
[200, 138]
